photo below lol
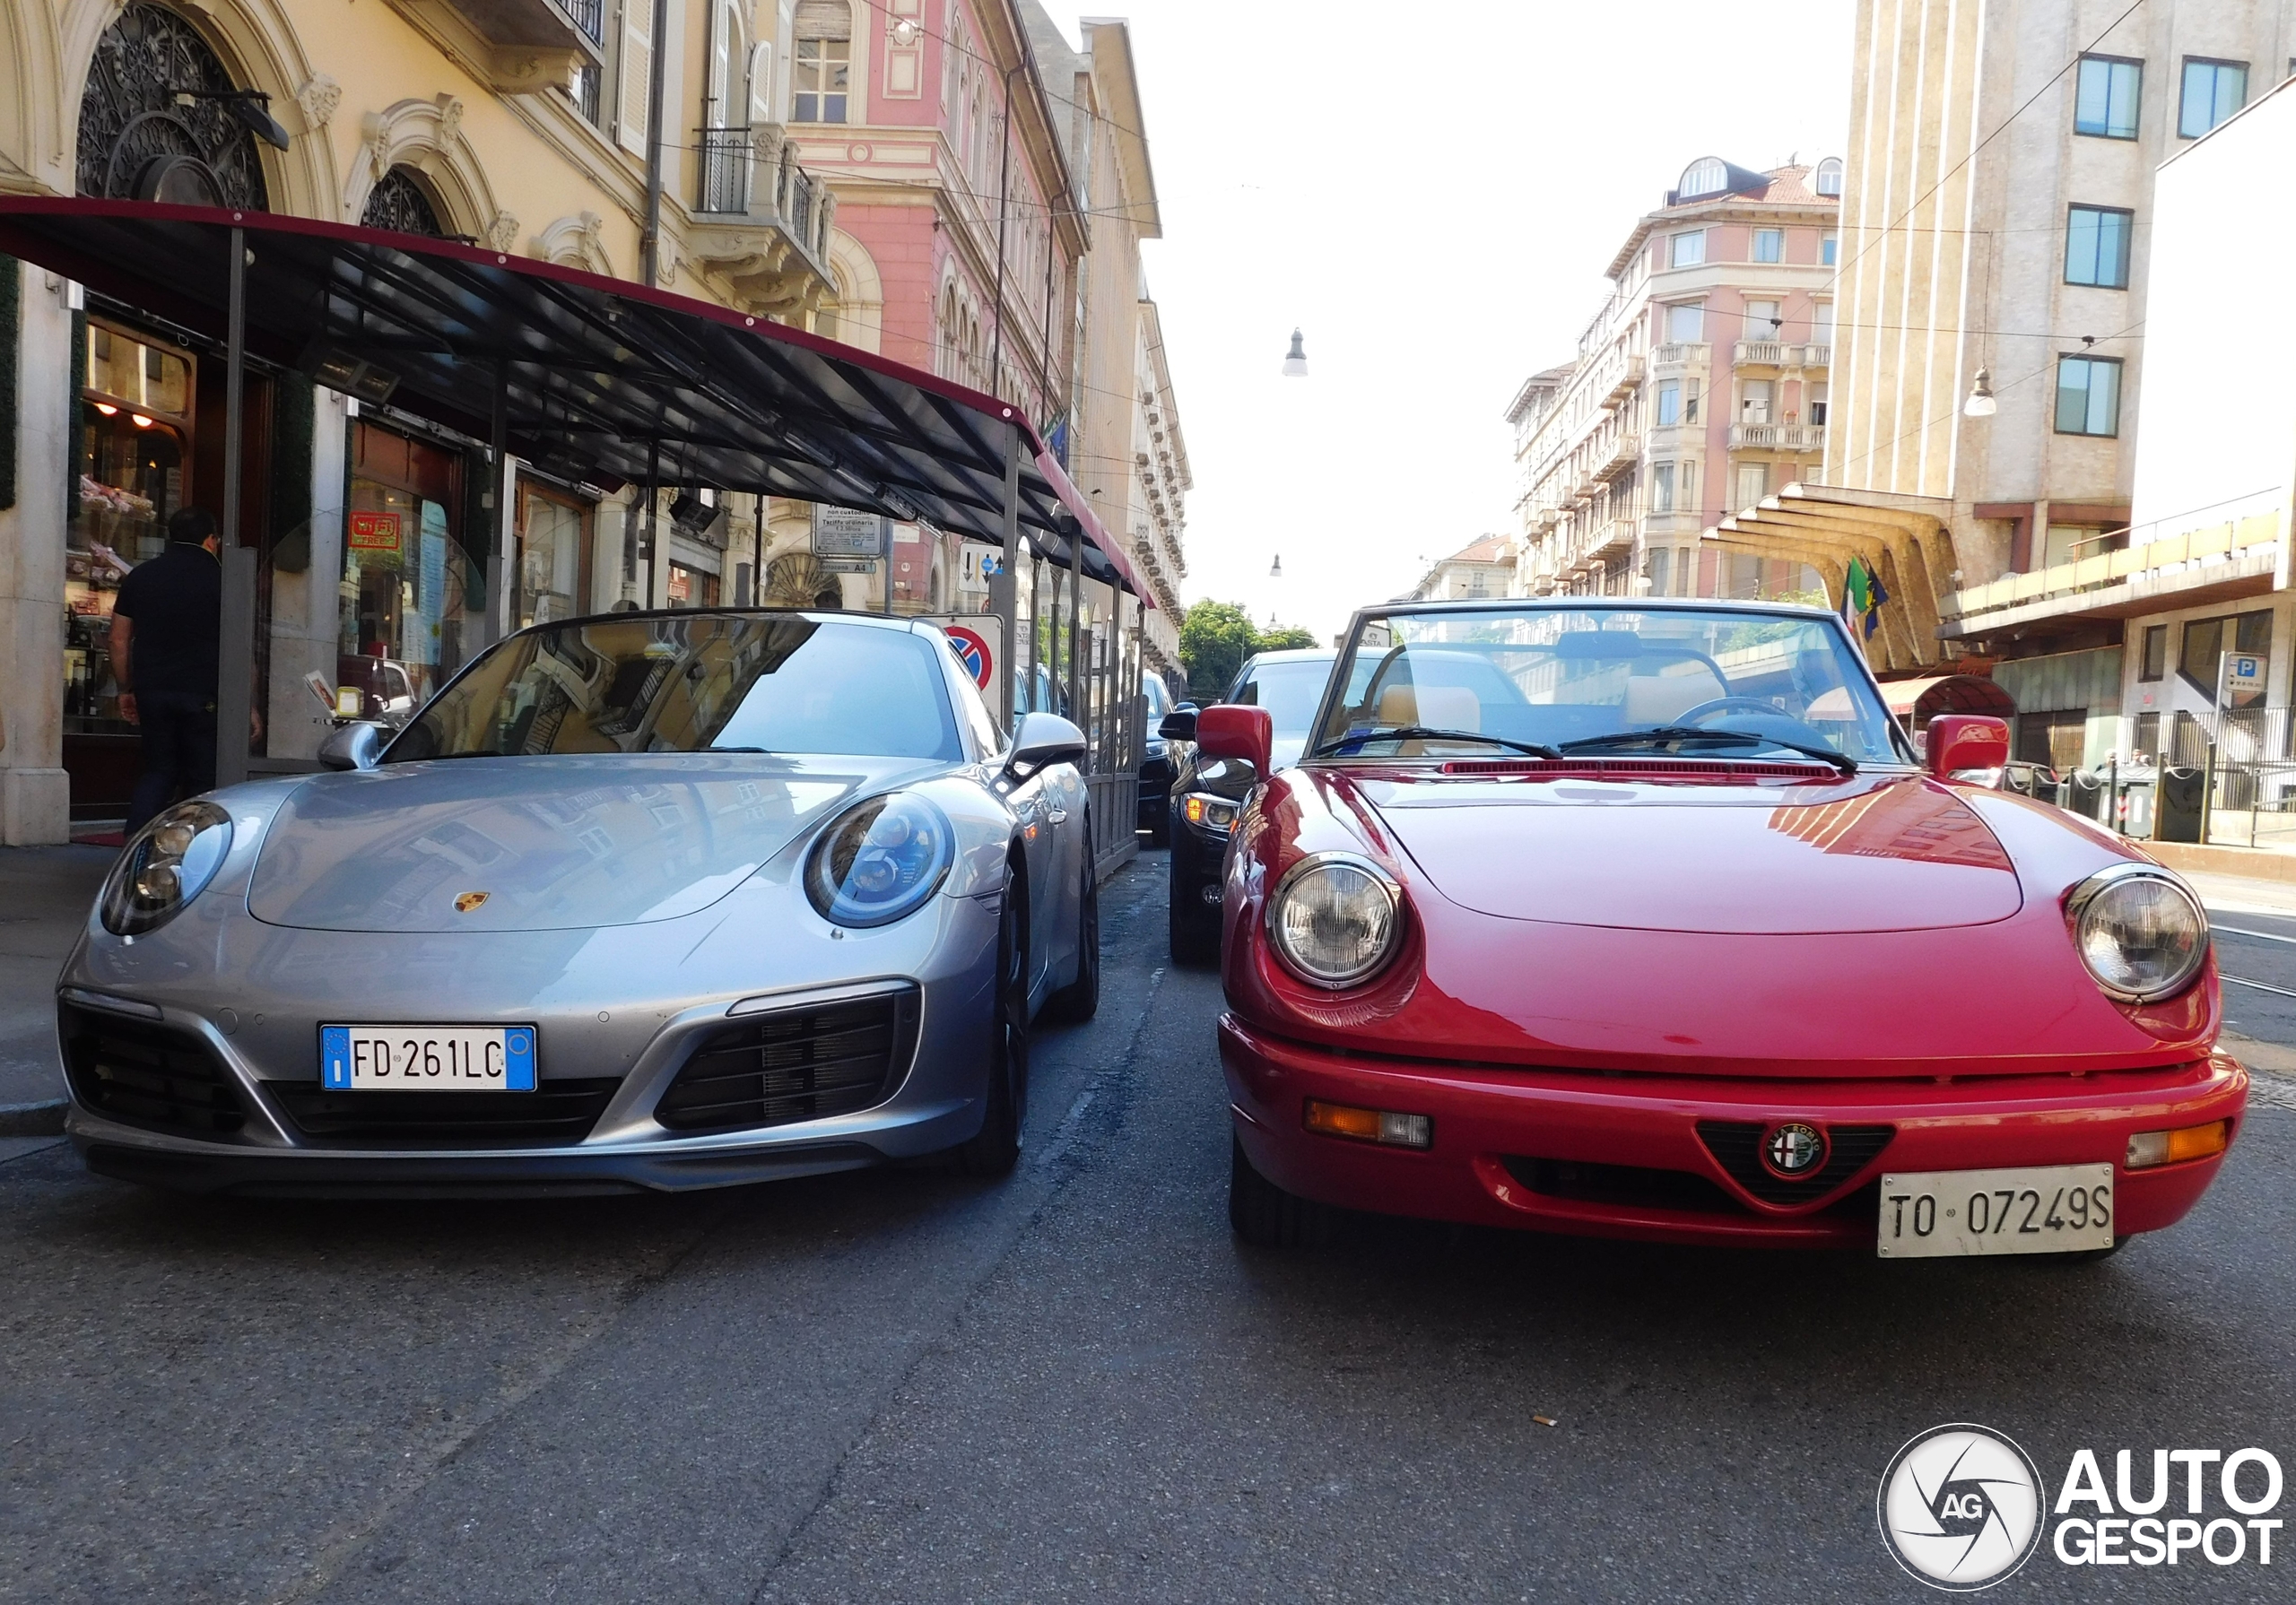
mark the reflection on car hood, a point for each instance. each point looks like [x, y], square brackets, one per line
[1884, 854]
[552, 842]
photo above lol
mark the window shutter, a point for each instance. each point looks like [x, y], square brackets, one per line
[636, 73]
[822, 20]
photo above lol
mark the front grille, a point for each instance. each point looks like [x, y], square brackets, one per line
[142, 1074]
[554, 1113]
[1631, 1186]
[802, 1063]
[1737, 1147]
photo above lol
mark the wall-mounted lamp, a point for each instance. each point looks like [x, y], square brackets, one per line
[1295, 365]
[1980, 403]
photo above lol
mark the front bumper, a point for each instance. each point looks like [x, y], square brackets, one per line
[1612, 1156]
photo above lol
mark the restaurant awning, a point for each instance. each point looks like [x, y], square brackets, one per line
[594, 377]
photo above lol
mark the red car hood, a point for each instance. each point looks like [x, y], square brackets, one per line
[1891, 854]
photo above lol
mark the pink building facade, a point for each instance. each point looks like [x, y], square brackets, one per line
[1698, 389]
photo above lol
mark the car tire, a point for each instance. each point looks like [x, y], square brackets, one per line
[1265, 1215]
[1080, 999]
[995, 1148]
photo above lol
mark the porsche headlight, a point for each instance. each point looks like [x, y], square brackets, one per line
[169, 863]
[1334, 920]
[2140, 931]
[880, 861]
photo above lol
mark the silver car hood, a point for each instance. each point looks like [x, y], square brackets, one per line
[543, 844]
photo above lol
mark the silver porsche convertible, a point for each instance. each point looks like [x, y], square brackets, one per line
[659, 901]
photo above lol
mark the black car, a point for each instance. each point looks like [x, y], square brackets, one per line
[1206, 797]
[1156, 764]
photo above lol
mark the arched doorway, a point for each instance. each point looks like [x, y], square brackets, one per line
[138, 141]
[399, 203]
[797, 579]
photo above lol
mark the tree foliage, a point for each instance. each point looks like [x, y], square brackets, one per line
[1217, 637]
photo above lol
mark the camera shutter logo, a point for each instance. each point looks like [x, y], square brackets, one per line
[1960, 1507]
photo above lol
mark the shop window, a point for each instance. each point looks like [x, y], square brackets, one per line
[554, 564]
[131, 465]
[406, 578]
[2205, 642]
[692, 587]
[2154, 664]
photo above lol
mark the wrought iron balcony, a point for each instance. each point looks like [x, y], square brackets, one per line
[761, 222]
[517, 46]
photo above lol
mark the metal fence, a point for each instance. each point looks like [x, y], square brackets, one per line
[2227, 777]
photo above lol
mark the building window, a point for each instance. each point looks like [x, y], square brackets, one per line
[1821, 322]
[1816, 396]
[1689, 411]
[1762, 321]
[2096, 246]
[1753, 482]
[1829, 179]
[2200, 656]
[1670, 402]
[1707, 176]
[1686, 322]
[156, 118]
[2214, 91]
[1662, 487]
[1686, 250]
[2154, 664]
[1754, 401]
[2105, 103]
[1769, 245]
[2088, 395]
[1828, 249]
[397, 204]
[822, 64]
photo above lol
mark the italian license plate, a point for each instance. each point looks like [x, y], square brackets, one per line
[2058, 1208]
[427, 1058]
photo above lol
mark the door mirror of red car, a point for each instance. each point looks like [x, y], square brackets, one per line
[1236, 730]
[1967, 742]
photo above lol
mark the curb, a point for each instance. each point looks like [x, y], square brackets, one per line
[2253, 863]
[33, 1120]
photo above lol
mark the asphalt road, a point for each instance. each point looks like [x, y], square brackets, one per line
[906, 1386]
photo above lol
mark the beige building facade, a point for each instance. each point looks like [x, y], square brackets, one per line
[1700, 385]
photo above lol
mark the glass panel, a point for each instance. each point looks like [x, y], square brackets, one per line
[2106, 102]
[2081, 246]
[131, 477]
[1670, 402]
[1686, 323]
[2156, 654]
[405, 577]
[1688, 250]
[1828, 249]
[553, 541]
[1769, 245]
[1580, 674]
[782, 684]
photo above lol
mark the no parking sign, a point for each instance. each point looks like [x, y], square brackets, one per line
[973, 651]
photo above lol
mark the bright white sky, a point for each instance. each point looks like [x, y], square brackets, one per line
[1431, 195]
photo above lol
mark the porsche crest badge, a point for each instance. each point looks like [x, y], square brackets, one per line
[470, 902]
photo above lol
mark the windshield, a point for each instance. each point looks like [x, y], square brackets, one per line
[695, 683]
[1289, 690]
[1605, 678]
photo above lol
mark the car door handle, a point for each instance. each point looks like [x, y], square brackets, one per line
[1060, 816]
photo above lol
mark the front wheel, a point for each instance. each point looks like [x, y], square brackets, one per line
[1265, 1215]
[995, 1148]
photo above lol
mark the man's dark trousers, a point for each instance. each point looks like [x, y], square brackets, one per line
[179, 753]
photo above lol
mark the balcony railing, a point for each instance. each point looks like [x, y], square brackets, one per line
[1778, 436]
[1677, 353]
[1780, 353]
[728, 162]
[589, 16]
[1625, 451]
[739, 163]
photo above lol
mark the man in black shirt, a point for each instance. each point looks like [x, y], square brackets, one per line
[166, 636]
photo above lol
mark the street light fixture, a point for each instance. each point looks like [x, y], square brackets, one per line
[1980, 403]
[1275, 569]
[1295, 365]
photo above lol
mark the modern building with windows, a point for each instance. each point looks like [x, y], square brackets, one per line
[1999, 315]
[1701, 385]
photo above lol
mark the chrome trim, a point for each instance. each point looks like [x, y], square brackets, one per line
[2078, 899]
[1379, 877]
[85, 998]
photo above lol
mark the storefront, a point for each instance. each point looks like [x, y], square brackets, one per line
[408, 582]
[552, 574]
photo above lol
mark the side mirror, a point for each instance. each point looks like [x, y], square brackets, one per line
[1967, 742]
[1179, 727]
[1044, 740]
[358, 745]
[1237, 730]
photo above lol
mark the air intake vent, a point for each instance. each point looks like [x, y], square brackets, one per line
[802, 1063]
[553, 1114]
[149, 1075]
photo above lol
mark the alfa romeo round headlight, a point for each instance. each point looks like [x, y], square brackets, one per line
[2140, 931]
[1332, 921]
[880, 861]
[169, 863]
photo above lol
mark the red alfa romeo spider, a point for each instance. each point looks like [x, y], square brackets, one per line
[1640, 918]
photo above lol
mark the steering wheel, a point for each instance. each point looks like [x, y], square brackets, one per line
[1732, 705]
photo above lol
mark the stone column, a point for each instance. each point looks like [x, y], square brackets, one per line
[35, 793]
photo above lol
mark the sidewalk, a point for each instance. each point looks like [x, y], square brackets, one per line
[45, 894]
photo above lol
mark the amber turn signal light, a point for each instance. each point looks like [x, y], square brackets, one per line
[2147, 1148]
[1371, 1126]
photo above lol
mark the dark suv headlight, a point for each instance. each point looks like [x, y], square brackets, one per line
[169, 863]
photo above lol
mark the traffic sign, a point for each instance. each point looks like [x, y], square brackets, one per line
[2240, 680]
[973, 651]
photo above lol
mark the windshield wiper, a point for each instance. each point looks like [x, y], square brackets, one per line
[1422, 733]
[1662, 734]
